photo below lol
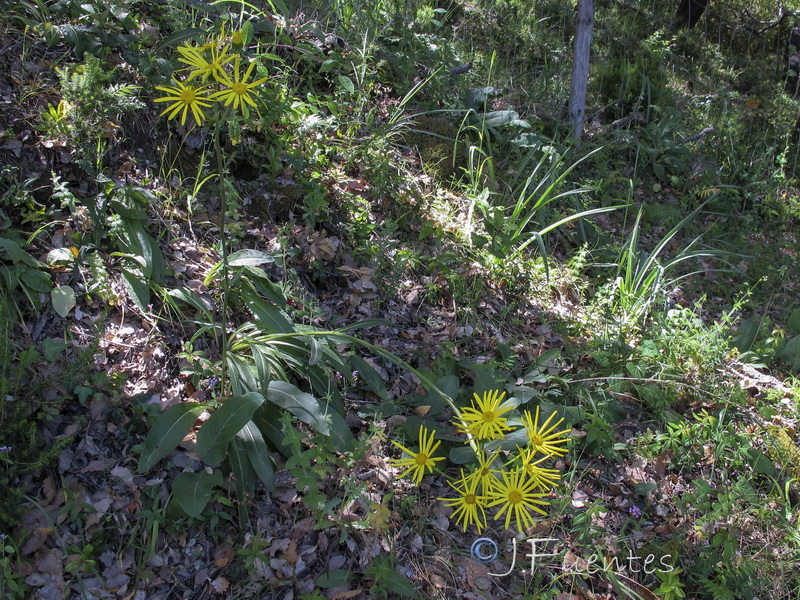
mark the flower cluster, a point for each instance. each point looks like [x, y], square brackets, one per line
[215, 72]
[515, 484]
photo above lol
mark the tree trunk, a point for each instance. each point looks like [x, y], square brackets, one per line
[689, 12]
[580, 67]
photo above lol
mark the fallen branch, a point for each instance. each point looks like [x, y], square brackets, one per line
[696, 136]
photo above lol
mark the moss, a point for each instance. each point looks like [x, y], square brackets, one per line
[782, 450]
[435, 139]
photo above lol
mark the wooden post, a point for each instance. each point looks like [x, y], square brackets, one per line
[580, 67]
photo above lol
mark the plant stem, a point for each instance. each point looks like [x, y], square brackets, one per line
[224, 251]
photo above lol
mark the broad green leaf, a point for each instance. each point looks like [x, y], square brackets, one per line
[793, 322]
[302, 405]
[268, 316]
[347, 83]
[243, 473]
[138, 243]
[60, 256]
[258, 453]
[216, 434]
[341, 435]
[745, 335]
[16, 254]
[761, 462]
[241, 375]
[192, 491]
[315, 355]
[136, 286]
[249, 257]
[63, 298]
[38, 281]
[461, 455]
[791, 353]
[170, 428]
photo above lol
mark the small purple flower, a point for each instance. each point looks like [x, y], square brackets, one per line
[212, 382]
[6, 448]
[635, 512]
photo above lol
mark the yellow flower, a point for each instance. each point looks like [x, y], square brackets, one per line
[421, 460]
[516, 493]
[184, 98]
[486, 421]
[545, 479]
[484, 473]
[238, 92]
[204, 68]
[542, 439]
[470, 504]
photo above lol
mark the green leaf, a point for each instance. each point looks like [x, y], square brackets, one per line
[243, 472]
[137, 287]
[461, 455]
[250, 436]
[16, 253]
[791, 353]
[63, 298]
[249, 257]
[38, 281]
[170, 428]
[746, 334]
[341, 435]
[793, 322]
[192, 491]
[52, 348]
[303, 406]
[268, 316]
[216, 434]
[347, 83]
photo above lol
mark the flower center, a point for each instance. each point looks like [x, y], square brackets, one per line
[240, 89]
[536, 440]
[187, 95]
[469, 499]
[421, 459]
[488, 416]
[515, 497]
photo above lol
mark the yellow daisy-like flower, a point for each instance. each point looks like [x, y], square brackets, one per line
[419, 461]
[470, 504]
[239, 91]
[543, 439]
[518, 498]
[204, 68]
[184, 98]
[545, 479]
[484, 473]
[486, 421]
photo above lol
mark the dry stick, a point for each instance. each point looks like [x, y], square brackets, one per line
[696, 136]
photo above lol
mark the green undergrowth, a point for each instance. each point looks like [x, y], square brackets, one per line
[414, 152]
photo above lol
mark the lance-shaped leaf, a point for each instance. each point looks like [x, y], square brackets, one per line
[303, 406]
[216, 433]
[170, 428]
